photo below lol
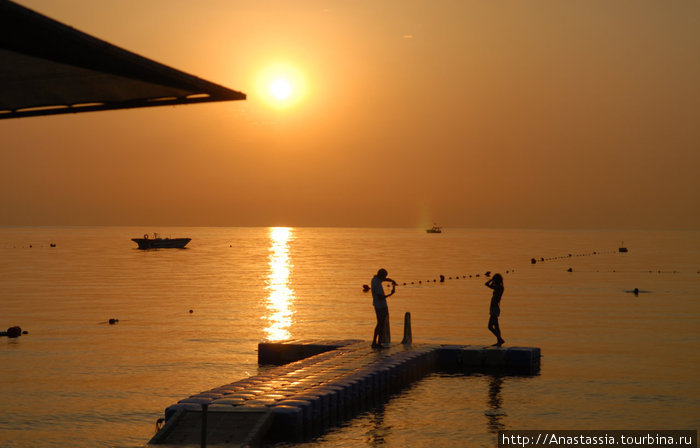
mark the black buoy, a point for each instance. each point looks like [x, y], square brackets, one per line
[488, 274]
[636, 291]
[533, 261]
[442, 278]
[14, 332]
[113, 321]
[191, 311]
[365, 288]
[570, 270]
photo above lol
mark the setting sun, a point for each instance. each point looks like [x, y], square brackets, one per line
[280, 89]
[281, 85]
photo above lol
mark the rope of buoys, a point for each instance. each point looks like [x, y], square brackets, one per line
[441, 279]
[30, 246]
[568, 256]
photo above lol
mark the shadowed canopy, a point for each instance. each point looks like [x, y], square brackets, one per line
[48, 68]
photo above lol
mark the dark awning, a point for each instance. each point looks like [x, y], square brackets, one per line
[49, 68]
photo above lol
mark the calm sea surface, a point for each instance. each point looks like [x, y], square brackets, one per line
[611, 360]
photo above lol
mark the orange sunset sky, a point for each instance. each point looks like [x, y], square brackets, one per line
[526, 114]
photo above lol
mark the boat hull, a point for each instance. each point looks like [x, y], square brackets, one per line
[161, 243]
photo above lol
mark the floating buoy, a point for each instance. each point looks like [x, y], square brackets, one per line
[570, 270]
[442, 278]
[533, 261]
[12, 332]
[191, 311]
[636, 291]
[113, 321]
[365, 288]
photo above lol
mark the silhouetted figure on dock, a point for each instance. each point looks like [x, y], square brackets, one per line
[496, 283]
[381, 308]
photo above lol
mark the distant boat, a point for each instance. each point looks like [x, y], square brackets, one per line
[622, 248]
[434, 229]
[161, 243]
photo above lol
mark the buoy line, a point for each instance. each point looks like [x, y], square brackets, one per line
[441, 278]
[536, 260]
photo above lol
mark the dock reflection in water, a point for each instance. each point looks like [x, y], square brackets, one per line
[280, 299]
[495, 414]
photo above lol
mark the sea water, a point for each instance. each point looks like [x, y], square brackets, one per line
[190, 320]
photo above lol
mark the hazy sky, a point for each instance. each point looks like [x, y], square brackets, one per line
[538, 114]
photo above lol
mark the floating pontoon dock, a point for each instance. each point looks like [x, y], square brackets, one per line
[318, 384]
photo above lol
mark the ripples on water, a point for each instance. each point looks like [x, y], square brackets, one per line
[612, 360]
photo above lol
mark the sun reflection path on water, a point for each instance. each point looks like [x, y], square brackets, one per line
[280, 299]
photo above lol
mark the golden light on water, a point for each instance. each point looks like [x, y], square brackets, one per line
[280, 299]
